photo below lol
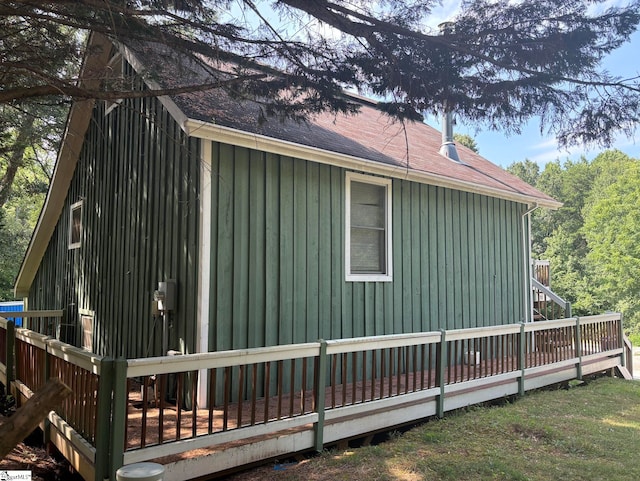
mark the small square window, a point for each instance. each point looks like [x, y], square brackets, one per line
[75, 225]
[368, 228]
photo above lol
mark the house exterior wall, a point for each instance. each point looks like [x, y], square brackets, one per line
[138, 178]
[275, 262]
[277, 256]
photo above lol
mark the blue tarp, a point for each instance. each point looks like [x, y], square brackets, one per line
[12, 306]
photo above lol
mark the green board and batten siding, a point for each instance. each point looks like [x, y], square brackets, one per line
[277, 246]
[138, 178]
[277, 269]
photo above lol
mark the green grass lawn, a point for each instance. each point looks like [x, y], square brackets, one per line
[587, 432]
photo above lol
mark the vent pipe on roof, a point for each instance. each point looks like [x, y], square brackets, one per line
[448, 147]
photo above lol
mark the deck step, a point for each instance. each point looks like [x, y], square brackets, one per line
[624, 372]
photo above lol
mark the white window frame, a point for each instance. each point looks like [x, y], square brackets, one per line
[74, 208]
[387, 276]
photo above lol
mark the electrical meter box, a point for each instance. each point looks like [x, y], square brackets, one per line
[167, 295]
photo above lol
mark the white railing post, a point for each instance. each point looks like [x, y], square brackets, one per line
[320, 395]
[578, 341]
[442, 361]
[623, 356]
[522, 364]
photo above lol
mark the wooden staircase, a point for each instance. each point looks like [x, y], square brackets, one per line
[547, 305]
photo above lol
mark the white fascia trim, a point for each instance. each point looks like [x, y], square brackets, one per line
[166, 101]
[68, 154]
[227, 135]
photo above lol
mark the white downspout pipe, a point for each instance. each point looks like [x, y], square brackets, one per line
[526, 252]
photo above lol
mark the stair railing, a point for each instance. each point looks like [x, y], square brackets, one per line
[542, 294]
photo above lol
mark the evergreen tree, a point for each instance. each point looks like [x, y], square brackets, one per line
[498, 63]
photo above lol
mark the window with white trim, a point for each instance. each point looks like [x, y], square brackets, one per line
[75, 225]
[368, 228]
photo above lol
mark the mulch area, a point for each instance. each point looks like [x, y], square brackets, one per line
[27, 456]
[42, 466]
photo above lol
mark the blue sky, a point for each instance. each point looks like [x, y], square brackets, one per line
[531, 143]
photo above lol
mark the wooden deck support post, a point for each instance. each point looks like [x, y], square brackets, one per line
[440, 369]
[578, 341]
[103, 422]
[522, 364]
[119, 419]
[320, 395]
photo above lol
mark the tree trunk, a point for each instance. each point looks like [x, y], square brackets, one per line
[16, 158]
[27, 418]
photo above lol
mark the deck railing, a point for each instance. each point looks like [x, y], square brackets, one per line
[368, 369]
[82, 422]
[247, 388]
[47, 322]
[283, 399]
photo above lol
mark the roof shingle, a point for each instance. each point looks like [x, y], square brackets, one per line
[370, 134]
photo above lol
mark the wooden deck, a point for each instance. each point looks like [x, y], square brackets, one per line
[265, 401]
[148, 425]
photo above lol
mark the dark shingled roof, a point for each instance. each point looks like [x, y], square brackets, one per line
[370, 134]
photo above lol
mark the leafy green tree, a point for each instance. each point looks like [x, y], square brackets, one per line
[564, 244]
[467, 141]
[19, 214]
[612, 232]
[527, 170]
[570, 183]
[558, 181]
[593, 241]
[608, 167]
[31, 135]
[30, 132]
